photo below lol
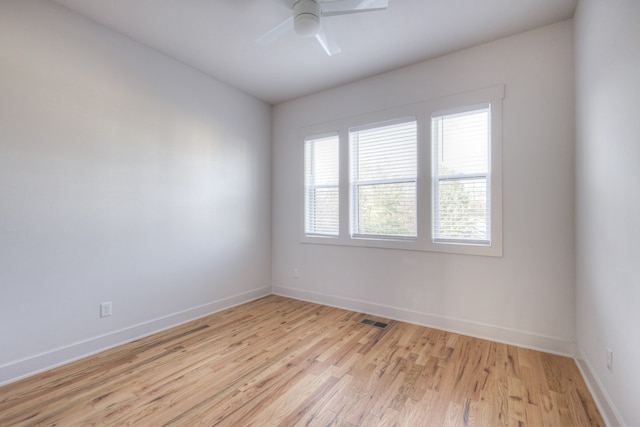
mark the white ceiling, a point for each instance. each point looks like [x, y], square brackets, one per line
[218, 37]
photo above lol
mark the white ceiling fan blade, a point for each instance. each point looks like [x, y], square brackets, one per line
[345, 7]
[328, 43]
[276, 32]
[286, 3]
[373, 4]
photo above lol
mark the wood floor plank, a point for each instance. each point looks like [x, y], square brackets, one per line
[327, 408]
[454, 415]
[282, 362]
[517, 404]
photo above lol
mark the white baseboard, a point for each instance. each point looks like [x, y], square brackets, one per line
[607, 409]
[460, 326]
[26, 367]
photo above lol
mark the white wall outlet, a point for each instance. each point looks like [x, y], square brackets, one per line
[610, 360]
[296, 273]
[105, 309]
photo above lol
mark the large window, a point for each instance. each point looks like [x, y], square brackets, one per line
[322, 191]
[425, 177]
[383, 179]
[461, 143]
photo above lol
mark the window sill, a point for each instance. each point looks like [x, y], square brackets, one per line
[492, 250]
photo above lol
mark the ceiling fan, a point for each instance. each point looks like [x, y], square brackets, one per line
[307, 17]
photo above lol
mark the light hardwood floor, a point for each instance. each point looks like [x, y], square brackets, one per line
[278, 361]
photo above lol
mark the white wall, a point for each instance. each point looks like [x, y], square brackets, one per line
[608, 200]
[125, 177]
[525, 297]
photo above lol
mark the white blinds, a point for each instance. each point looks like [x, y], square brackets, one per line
[383, 179]
[321, 164]
[461, 175]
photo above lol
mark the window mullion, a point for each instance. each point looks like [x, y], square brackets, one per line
[385, 181]
[461, 176]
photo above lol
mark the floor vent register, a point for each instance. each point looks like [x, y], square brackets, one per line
[373, 323]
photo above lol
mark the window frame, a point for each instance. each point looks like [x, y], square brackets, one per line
[307, 186]
[355, 183]
[437, 177]
[423, 111]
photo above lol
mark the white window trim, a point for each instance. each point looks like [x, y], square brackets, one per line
[423, 111]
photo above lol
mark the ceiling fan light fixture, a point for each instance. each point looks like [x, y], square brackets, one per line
[306, 18]
[307, 25]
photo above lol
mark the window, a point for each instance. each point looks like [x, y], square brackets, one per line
[383, 180]
[426, 177]
[461, 176]
[322, 192]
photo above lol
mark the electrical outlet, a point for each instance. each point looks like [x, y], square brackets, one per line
[105, 309]
[610, 360]
[296, 273]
